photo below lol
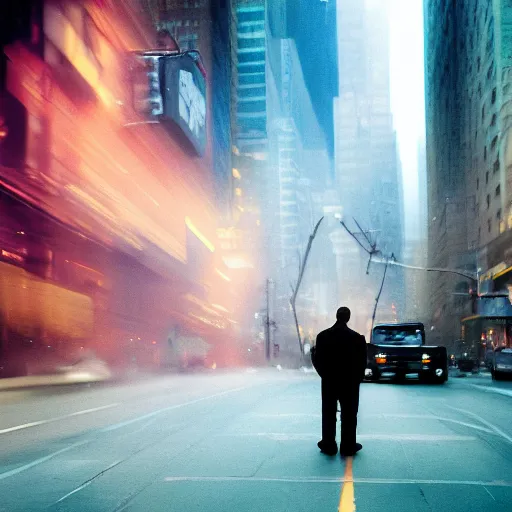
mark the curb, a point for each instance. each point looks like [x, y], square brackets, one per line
[34, 381]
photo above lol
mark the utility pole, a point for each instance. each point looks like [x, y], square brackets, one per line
[295, 288]
[268, 321]
[379, 294]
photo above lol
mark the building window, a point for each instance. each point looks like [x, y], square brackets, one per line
[477, 183]
[479, 91]
[498, 215]
[487, 178]
[493, 143]
[489, 225]
[493, 120]
[478, 62]
[496, 165]
[490, 70]
[498, 191]
[493, 96]
[488, 200]
[485, 153]
[483, 112]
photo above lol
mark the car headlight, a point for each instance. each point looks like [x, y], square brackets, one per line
[381, 358]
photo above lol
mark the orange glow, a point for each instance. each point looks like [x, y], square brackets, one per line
[238, 192]
[381, 360]
[221, 274]
[11, 256]
[29, 304]
[3, 129]
[201, 303]
[220, 308]
[199, 235]
[236, 174]
[425, 361]
[219, 324]
[237, 262]
[63, 35]
[85, 267]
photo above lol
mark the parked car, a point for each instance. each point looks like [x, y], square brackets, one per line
[502, 363]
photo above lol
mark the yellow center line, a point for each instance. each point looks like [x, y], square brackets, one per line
[347, 499]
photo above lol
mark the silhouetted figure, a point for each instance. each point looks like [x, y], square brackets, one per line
[339, 358]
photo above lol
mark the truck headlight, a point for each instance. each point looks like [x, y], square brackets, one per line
[381, 358]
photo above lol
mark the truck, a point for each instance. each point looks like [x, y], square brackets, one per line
[398, 350]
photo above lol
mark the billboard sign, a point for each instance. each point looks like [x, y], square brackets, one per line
[171, 86]
[185, 97]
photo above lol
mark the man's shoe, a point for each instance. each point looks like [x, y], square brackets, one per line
[344, 452]
[328, 448]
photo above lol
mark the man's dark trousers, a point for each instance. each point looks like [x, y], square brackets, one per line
[347, 394]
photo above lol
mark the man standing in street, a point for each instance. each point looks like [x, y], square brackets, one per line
[339, 358]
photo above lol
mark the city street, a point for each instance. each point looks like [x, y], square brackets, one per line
[246, 441]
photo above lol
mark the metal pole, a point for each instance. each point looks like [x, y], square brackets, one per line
[267, 323]
[379, 294]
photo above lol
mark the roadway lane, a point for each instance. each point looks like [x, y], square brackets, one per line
[247, 441]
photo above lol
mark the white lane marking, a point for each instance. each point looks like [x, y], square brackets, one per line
[484, 421]
[36, 462]
[335, 480]
[430, 417]
[171, 408]
[278, 436]
[287, 415]
[405, 481]
[326, 480]
[490, 389]
[89, 482]
[58, 418]
[489, 493]
[83, 486]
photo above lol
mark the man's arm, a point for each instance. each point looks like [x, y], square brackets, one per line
[317, 356]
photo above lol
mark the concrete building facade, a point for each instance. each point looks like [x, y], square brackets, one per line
[469, 157]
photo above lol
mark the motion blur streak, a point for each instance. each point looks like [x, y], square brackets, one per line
[110, 218]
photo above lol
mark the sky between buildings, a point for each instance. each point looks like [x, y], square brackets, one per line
[408, 96]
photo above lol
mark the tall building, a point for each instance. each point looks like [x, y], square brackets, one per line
[366, 161]
[468, 65]
[415, 249]
[312, 26]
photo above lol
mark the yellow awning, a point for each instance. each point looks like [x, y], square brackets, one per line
[502, 272]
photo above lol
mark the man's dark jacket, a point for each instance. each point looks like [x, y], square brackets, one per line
[339, 355]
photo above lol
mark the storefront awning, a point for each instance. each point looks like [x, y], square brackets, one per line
[502, 272]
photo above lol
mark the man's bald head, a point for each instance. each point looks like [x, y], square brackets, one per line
[343, 315]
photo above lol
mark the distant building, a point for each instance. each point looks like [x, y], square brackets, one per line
[367, 168]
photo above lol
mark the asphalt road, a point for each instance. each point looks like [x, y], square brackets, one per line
[247, 442]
